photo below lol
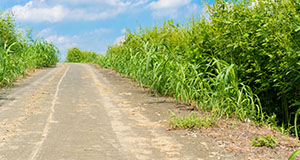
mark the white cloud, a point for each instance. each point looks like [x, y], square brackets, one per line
[165, 4]
[168, 8]
[113, 3]
[82, 14]
[119, 40]
[171, 12]
[123, 31]
[102, 30]
[139, 2]
[122, 38]
[55, 39]
[30, 12]
[44, 32]
[62, 42]
[98, 32]
[59, 10]
[194, 8]
[95, 2]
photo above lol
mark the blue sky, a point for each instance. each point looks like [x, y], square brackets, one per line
[95, 24]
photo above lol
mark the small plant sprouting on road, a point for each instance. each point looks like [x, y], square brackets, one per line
[192, 121]
[268, 141]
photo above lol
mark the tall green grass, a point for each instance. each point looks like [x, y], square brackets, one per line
[20, 52]
[243, 60]
[263, 40]
[213, 84]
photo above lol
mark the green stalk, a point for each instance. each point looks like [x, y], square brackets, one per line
[293, 156]
[296, 118]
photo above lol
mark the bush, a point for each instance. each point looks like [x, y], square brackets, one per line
[75, 55]
[262, 38]
[20, 52]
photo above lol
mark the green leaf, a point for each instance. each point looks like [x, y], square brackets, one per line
[293, 156]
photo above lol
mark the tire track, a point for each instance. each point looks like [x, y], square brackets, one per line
[49, 120]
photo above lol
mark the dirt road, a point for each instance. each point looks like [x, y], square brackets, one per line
[79, 112]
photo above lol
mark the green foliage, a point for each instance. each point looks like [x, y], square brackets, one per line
[293, 155]
[268, 141]
[164, 58]
[75, 55]
[215, 62]
[243, 61]
[263, 40]
[8, 33]
[192, 121]
[19, 53]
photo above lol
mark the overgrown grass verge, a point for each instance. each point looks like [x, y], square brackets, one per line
[243, 61]
[20, 52]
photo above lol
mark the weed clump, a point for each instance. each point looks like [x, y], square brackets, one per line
[192, 121]
[268, 141]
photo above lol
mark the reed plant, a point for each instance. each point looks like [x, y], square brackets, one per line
[20, 52]
[157, 58]
[241, 60]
